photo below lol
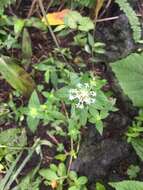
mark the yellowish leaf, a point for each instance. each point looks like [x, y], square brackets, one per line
[1, 168]
[56, 18]
[54, 184]
[99, 5]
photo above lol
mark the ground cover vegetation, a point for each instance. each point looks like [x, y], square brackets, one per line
[71, 88]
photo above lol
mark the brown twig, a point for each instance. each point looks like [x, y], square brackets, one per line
[112, 18]
[31, 8]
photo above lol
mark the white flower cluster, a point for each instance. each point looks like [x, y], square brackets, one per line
[83, 94]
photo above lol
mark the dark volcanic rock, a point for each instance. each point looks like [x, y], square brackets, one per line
[117, 36]
[97, 160]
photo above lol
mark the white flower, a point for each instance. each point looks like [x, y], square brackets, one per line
[83, 94]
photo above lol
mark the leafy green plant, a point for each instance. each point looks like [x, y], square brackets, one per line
[134, 134]
[87, 41]
[87, 101]
[133, 171]
[30, 180]
[136, 129]
[4, 4]
[57, 177]
[12, 141]
[132, 17]
[75, 21]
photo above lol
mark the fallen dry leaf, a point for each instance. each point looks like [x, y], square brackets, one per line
[55, 18]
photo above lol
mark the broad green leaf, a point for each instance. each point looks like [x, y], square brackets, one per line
[53, 167]
[61, 170]
[129, 72]
[48, 174]
[82, 180]
[16, 76]
[73, 175]
[138, 147]
[86, 24]
[71, 19]
[127, 185]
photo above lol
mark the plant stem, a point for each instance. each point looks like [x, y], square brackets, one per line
[71, 157]
[49, 27]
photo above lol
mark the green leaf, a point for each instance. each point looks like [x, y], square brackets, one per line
[61, 157]
[127, 185]
[53, 167]
[32, 118]
[26, 47]
[47, 76]
[81, 180]
[16, 76]
[35, 23]
[86, 24]
[34, 100]
[71, 19]
[138, 147]
[83, 116]
[133, 171]
[61, 170]
[9, 139]
[18, 26]
[29, 179]
[7, 135]
[129, 72]
[4, 4]
[48, 174]
[99, 126]
[73, 175]
[74, 188]
[54, 78]
[99, 186]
